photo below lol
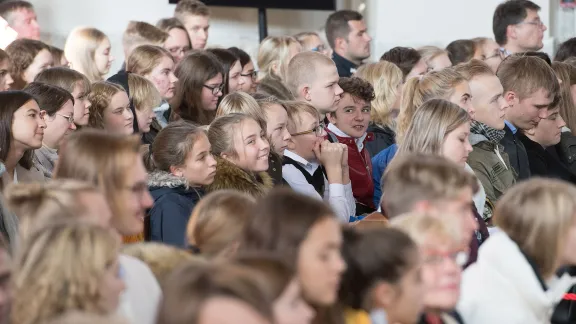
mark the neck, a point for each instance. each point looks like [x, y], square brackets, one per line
[52, 146]
[513, 48]
[346, 56]
[14, 156]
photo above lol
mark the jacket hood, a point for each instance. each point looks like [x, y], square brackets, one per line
[230, 176]
[166, 179]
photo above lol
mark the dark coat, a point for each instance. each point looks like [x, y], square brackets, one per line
[275, 169]
[566, 150]
[383, 138]
[173, 204]
[516, 153]
[543, 163]
[229, 176]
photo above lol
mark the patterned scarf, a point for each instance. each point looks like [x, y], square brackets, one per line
[493, 135]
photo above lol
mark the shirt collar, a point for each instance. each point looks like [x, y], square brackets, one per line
[299, 159]
[505, 51]
[359, 141]
[512, 127]
[348, 65]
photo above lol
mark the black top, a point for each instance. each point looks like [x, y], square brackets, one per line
[544, 163]
[517, 153]
[383, 138]
[316, 180]
[345, 67]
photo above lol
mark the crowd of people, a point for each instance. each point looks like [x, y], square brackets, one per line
[305, 185]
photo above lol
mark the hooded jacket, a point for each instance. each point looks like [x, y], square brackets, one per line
[230, 176]
[174, 201]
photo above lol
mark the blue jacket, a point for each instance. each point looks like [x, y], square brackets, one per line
[173, 204]
[379, 164]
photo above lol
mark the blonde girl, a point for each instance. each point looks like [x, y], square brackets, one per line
[110, 109]
[88, 51]
[274, 54]
[436, 58]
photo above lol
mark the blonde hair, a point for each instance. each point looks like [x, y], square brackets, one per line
[143, 93]
[425, 228]
[222, 131]
[428, 53]
[218, 221]
[75, 317]
[144, 58]
[100, 98]
[473, 68]
[191, 7]
[64, 78]
[295, 110]
[537, 215]
[302, 69]
[566, 73]
[304, 38]
[527, 74]
[242, 103]
[275, 51]
[436, 84]
[385, 77]
[60, 269]
[40, 204]
[140, 33]
[80, 49]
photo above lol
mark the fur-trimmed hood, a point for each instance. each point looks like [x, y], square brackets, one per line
[230, 176]
[164, 185]
[165, 179]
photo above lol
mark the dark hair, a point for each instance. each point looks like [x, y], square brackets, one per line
[373, 255]
[404, 57]
[566, 50]
[57, 55]
[65, 78]
[192, 72]
[10, 101]
[541, 55]
[358, 88]
[241, 54]
[337, 25]
[227, 59]
[7, 7]
[461, 51]
[50, 98]
[22, 53]
[510, 12]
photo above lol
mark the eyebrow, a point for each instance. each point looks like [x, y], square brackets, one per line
[540, 106]
[496, 97]
[250, 137]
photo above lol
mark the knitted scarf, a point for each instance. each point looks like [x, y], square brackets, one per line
[493, 135]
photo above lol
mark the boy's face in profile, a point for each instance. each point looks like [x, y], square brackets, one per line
[197, 28]
[324, 92]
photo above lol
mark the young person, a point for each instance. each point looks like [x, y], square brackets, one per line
[408, 60]
[386, 78]
[139, 33]
[110, 108]
[88, 50]
[241, 148]
[59, 107]
[516, 268]
[311, 41]
[249, 73]
[59, 57]
[563, 150]
[315, 167]
[313, 78]
[195, 16]
[348, 36]
[29, 57]
[348, 125]
[5, 68]
[178, 42]
[274, 55]
[566, 50]
[199, 89]
[461, 51]
[435, 58]
[74, 82]
[232, 69]
[21, 17]
[180, 163]
[517, 27]
[530, 88]
[488, 50]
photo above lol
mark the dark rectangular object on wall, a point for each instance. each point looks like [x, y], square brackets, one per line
[273, 4]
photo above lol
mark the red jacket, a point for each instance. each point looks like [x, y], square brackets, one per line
[360, 167]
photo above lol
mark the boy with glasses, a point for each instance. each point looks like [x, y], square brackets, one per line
[517, 27]
[313, 166]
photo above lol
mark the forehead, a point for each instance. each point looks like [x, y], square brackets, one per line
[250, 127]
[324, 230]
[326, 73]
[105, 43]
[119, 99]
[356, 25]
[532, 14]
[216, 79]
[540, 96]
[195, 20]
[23, 13]
[462, 87]
[350, 100]
[165, 63]
[32, 104]
[44, 56]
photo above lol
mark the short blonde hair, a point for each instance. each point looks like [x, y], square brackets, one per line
[69, 258]
[242, 103]
[537, 215]
[64, 78]
[295, 110]
[473, 68]
[143, 93]
[424, 228]
[80, 49]
[75, 317]
[385, 77]
[525, 75]
[302, 69]
[141, 33]
[275, 51]
[100, 98]
[429, 53]
[144, 58]
[191, 7]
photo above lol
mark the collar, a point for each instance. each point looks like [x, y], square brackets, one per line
[308, 165]
[358, 141]
[505, 51]
[512, 127]
[345, 63]
[163, 107]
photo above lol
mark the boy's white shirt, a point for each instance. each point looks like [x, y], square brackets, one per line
[359, 141]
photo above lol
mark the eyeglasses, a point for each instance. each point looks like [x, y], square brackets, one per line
[498, 53]
[437, 259]
[253, 75]
[216, 89]
[179, 50]
[538, 23]
[318, 130]
[319, 48]
[70, 118]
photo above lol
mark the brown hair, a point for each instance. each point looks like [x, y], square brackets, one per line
[473, 69]
[227, 59]
[8, 7]
[357, 88]
[167, 24]
[22, 53]
[461, 50]
[144, 58]
[141, 33]
[57, 55]
[50, 98]
[302, 69]
[80, 49]
[218, 221]
[419, 177]
[223, 130]
[64, 78]
[277, 273]
[337, 25]
[525, 75]
[566, 73]
[100, 98]
[404, 57]
[191, 7]
[11, 101]
[143, 93]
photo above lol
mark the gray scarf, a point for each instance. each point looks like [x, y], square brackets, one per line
[45, 159]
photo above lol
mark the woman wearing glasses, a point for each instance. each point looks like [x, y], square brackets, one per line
[249, 73]
[59, 106]
[311, 41]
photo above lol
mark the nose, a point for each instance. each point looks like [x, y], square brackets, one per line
[265, 146]
[503, 104]
[203, 34]
[338, 91]
[110, 58]
[286, 135]
[211, 160]
[87, 104]
[544, 28]
[128, 114]
[72, 126]
[359, 116]
[147, 200]
[468, 146]
[368, 38]
[339, 264]
[241, 81]
[471, 110]
[544, 113]
[560, 121]
[322, 133]
[173, 77]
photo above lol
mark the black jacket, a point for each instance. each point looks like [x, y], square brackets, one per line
[453, 315]
[383, 138]
[565, 312]
[345, 67]
[173, 204]
[516, 153]
[566, 150]
[543, 162]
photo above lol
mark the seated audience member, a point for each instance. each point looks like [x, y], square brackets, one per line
[215, 293]
[180, 163]
[74, 82]
[383, 269]
[58, 105]
[200, 86]
[241, 148]
[5, 68]
[489, 52]
[541, 55]
[6, 273]
[283, 287]
[195, 16]
[314, 166]
[516, 268]
[249, 75]
[566, 50]
[232, 70]
[178, 42]
[140, 33]
[565, 149]
[488, 159]
[23, 129]
[517, 27]
[462, 51]
[530, 88]
[306, 233]
[59, 57]
[88, 51]
[156, 64]
[348, 125]
[274, 55]
[442, 260]
[21, 17]
[408, 60]
[436, 58]
[80, 261]
[217, 223]
[386, 78]
[29, 57]
[110, 109]
[347, 34]
[313, 78]
[311, 41]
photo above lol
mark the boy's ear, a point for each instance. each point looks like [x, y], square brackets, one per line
[383, 295]
[331, 116]
[511, 98]
[340, 43]
[305, 92]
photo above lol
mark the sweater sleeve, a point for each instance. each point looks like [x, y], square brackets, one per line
[168, 221]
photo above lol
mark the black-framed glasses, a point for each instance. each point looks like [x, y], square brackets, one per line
[253, 75]
[498, 53]
[216, 89]
[70, 118]
[318, 130]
